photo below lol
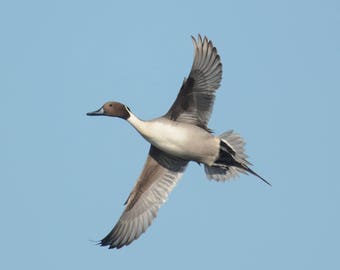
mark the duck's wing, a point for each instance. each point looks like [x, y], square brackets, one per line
[160, 174]
[196, 98]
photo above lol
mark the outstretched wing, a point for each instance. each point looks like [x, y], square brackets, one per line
[196, 98]
[160, 174]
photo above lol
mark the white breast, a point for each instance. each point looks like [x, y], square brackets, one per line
[179, 139]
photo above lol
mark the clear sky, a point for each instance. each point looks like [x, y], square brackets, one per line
[65, 176]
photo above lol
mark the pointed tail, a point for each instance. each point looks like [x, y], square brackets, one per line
[246, 168]
[232, 159]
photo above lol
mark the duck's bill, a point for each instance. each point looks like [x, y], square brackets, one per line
[97, 112]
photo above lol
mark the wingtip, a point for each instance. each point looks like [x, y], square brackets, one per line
[109, 245]
[194, 41]
[199, 38]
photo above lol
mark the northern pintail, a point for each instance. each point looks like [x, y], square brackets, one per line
[176, 138]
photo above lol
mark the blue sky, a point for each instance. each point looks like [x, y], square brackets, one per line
[65, 176]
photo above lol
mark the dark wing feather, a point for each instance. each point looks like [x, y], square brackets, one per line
[196, 98]
[160, 174]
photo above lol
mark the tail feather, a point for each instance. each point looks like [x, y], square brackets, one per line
[222, 173]
[232, 159]
[259, 176]
[236, 143]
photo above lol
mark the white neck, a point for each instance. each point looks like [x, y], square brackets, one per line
[138, 124]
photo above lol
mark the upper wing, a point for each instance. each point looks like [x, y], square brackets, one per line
[196, 98]
[159, 176]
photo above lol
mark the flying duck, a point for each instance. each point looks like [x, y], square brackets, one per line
[176, 138]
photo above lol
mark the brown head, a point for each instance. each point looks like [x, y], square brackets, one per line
[114, 109]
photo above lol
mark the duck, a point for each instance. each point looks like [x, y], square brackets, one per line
[179, 136]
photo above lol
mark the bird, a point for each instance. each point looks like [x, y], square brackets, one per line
[179, 136]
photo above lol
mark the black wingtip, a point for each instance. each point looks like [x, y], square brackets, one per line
[96, 242]
[107, 242]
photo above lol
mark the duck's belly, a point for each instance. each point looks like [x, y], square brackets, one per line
[183, 140]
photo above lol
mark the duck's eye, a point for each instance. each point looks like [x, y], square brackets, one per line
[110, 105]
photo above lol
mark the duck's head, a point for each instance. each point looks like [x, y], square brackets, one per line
[114, 109]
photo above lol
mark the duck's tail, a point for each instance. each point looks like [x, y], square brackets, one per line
[232, 159]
